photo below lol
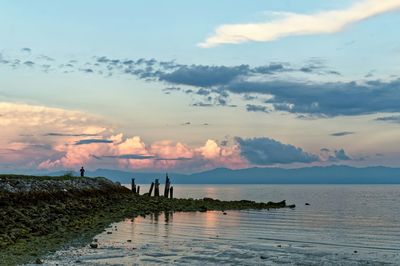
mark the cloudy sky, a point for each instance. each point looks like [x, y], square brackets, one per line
[188, 86]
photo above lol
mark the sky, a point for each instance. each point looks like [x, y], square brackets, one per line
[188, 86]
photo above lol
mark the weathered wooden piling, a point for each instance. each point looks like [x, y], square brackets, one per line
[133, 186]
[171, 192]
[167, 185]
[157, 188]
[151, 188]
[138, 190]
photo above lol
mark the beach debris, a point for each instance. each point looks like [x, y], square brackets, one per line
[307, 204]
[133, 186]
[156, 188]
[167, 186]
[129, 240]
[151, 188]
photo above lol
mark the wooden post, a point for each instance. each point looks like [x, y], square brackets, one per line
[151, 188]
[167, 185]
[171, 192]
[133, 186]
[157, 188]
[138, 190]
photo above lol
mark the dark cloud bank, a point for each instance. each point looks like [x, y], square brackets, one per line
[341, 134]
[266, 151]
[213, 85]
[216, 83]
[90, 141]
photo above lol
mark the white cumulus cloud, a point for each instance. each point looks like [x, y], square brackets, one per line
[299, 24]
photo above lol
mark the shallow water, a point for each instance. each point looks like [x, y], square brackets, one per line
[344, 224]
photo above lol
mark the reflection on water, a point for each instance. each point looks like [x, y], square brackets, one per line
[352, 225]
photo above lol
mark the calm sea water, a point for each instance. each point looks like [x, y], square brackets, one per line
[343, 225]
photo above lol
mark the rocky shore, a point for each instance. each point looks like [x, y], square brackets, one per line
[43, 214]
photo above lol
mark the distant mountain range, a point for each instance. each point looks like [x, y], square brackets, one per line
[307, 175]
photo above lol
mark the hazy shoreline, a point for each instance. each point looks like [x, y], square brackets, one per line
[44, 214]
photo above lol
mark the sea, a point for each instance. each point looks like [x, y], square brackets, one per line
[339, 225]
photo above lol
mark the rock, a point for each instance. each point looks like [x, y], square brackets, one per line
[95, 240]
[208, 199]
[263, 257]
[38, 261]
[94, 245]
[109, 233]
[202, 209]
[224, 213]
[307, 204]
[279, 246]
[129, 240]
[279, 204]
[355, 251]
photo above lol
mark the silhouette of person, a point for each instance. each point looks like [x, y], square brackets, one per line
[82, 172]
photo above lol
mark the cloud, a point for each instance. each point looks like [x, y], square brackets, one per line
[143, 157]
[133, 153]
[87, 70]
[33, 137]
[90, 141]
[339, 155]
[29, 63]
[325, 99]
[292, 24]
[256, 108]
[55, 134]
[23, 127]
[204, 76]
[26, 49]
[171, 89]
[214, 85]
[391, 119]
[331, 155]
[130, 156]
[266, 151]
[341, 134]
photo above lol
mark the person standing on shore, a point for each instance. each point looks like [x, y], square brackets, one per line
[82, 172]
